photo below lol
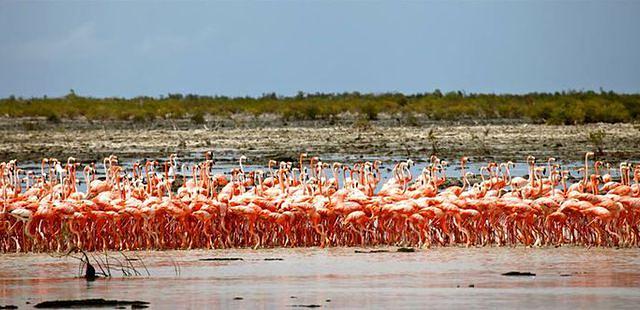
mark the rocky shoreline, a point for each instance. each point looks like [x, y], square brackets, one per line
[32, 139]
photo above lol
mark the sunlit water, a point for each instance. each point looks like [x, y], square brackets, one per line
[566, 277]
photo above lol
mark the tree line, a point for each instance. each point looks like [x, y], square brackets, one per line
[569, 107]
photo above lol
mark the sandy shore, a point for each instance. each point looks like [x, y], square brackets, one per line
[27, 140]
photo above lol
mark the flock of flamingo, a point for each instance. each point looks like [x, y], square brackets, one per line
[312, 203]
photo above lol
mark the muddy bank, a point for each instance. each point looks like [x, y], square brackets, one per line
[346, 141]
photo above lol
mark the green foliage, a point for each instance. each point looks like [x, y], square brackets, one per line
[138, 118]
[198, 118]
[54, 118]
[556, 108]
[411, 120]
[369, 110]
[29, 126]
[596, 138]
[362, 124]
[433, 139]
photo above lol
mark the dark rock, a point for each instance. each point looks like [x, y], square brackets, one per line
[472, 285]
[519, 274]
[406, 250]
[306, 306]
[214, 259]
[9, 307]
[97, 302]
[372, 251]
[238, 298]
[273, 258]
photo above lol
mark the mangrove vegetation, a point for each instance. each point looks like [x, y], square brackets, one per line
[572, 107]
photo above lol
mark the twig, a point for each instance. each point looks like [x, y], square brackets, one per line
[99, 264]
[124, 271]
[130, 264]
[106, 257]
[143, 264]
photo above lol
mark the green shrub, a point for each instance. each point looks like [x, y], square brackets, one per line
[138, 118]
[198, 118]
[362, 123]
[596, 138]
[557, 108]
[369, 110]
[54, 118]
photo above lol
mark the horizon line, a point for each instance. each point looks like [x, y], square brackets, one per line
[276, 95]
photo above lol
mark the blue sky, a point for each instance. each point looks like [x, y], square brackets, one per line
[248, 48]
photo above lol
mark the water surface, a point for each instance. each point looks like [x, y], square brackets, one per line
[566, 277]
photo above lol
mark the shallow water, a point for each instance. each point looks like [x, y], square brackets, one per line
[520, 169]
[567, 277]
